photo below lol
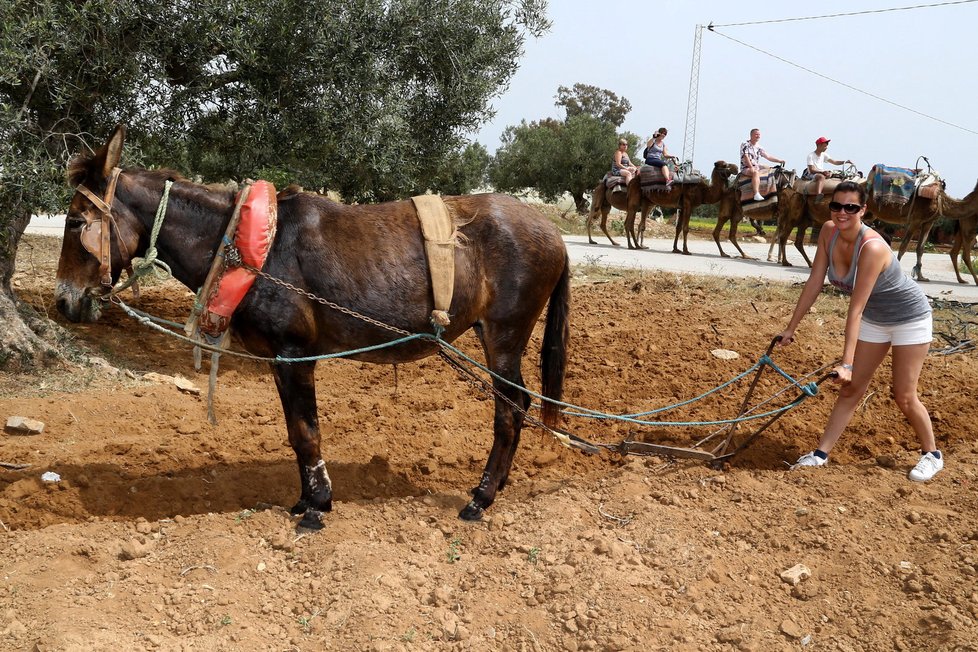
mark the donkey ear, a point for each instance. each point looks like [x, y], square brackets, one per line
[113, 150]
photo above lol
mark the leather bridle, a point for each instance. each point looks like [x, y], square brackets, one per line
[96, 236]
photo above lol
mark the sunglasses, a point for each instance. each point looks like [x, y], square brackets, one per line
[836, 207]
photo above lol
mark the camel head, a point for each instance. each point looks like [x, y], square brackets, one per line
[723, 170]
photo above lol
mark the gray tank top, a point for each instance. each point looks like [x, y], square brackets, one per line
[895, 299]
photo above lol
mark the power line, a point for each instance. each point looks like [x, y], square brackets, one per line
[853, 13]
[841, 83]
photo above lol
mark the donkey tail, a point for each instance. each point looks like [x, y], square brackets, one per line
[553, 356]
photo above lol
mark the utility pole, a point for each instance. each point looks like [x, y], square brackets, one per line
[689, 142]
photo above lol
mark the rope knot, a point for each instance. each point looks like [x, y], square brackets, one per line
[810, 389]
[440, 319]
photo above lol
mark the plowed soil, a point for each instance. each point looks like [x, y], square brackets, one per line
[167, 532]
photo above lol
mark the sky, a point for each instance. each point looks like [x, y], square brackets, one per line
[923, 59]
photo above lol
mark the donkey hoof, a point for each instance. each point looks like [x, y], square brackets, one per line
[311, 520]
[299, 508]
[471, 512]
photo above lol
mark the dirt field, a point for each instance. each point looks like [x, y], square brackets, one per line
[168, 533]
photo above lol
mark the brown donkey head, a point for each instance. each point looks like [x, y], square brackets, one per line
[93, 250]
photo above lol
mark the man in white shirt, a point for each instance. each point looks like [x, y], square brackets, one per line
[815, 166]
[750, 161]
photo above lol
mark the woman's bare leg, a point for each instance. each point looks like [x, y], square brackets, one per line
[865, 362]
[908, 361]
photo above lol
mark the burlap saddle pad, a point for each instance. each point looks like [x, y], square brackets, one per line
[807, 186]
[441, 235]
[611, 181]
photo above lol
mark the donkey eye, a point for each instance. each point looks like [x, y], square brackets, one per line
[75, 223]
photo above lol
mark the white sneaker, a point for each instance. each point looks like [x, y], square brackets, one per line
[809, 459]
[926, 468]
[758, 197]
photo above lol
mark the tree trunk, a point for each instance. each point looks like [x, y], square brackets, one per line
[22, 344]
[580, 203]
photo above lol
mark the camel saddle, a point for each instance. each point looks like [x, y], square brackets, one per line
[768, 190]
[441, 234]
[807, 186]
[652, 177]
[612, 181]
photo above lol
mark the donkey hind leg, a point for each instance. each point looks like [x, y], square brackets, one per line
[503, 356]
[296, 385]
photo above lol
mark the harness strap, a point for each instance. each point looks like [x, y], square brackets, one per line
[105, 209]
[440, 236]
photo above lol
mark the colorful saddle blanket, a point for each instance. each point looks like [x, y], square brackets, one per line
[893, 185]
[612, 180]
[768, 187]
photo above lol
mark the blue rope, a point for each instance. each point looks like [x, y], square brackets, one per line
[809, 389]
[575, 410]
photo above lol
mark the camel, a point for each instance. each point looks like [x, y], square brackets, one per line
[602, 201]
[964, 237]
[802, 212]
[797, 212]
[683, 196]
[731, 209]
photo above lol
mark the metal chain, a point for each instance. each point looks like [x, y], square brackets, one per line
[233, 257]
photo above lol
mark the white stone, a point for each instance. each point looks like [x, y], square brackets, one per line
[795, 574]
[724, 354]
[24, 426]
[186, 386]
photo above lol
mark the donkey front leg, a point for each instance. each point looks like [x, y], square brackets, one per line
[297, 389]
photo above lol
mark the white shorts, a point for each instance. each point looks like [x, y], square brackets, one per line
[919, 331]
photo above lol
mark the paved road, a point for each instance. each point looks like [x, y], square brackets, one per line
[705, 259]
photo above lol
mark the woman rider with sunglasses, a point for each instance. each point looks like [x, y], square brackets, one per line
[886, 309]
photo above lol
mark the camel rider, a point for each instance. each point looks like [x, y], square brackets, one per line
[815, 167]
[621, 165]
[750, 161]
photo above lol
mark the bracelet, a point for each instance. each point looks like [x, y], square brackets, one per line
[846, 365]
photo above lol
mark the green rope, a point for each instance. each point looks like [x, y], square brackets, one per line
[142, 266]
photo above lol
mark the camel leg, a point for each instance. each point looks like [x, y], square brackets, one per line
[590, 220]
[641, 226]
[918, 271]
[685, 215]
[968, 243]
[955, 248]
[604, 224]
[963, 245]
[774, 242]
[679, 228]
[733, 238]
[783, 247]
[630, 229]
[721, 221]
[800, 243]
[724, 211]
